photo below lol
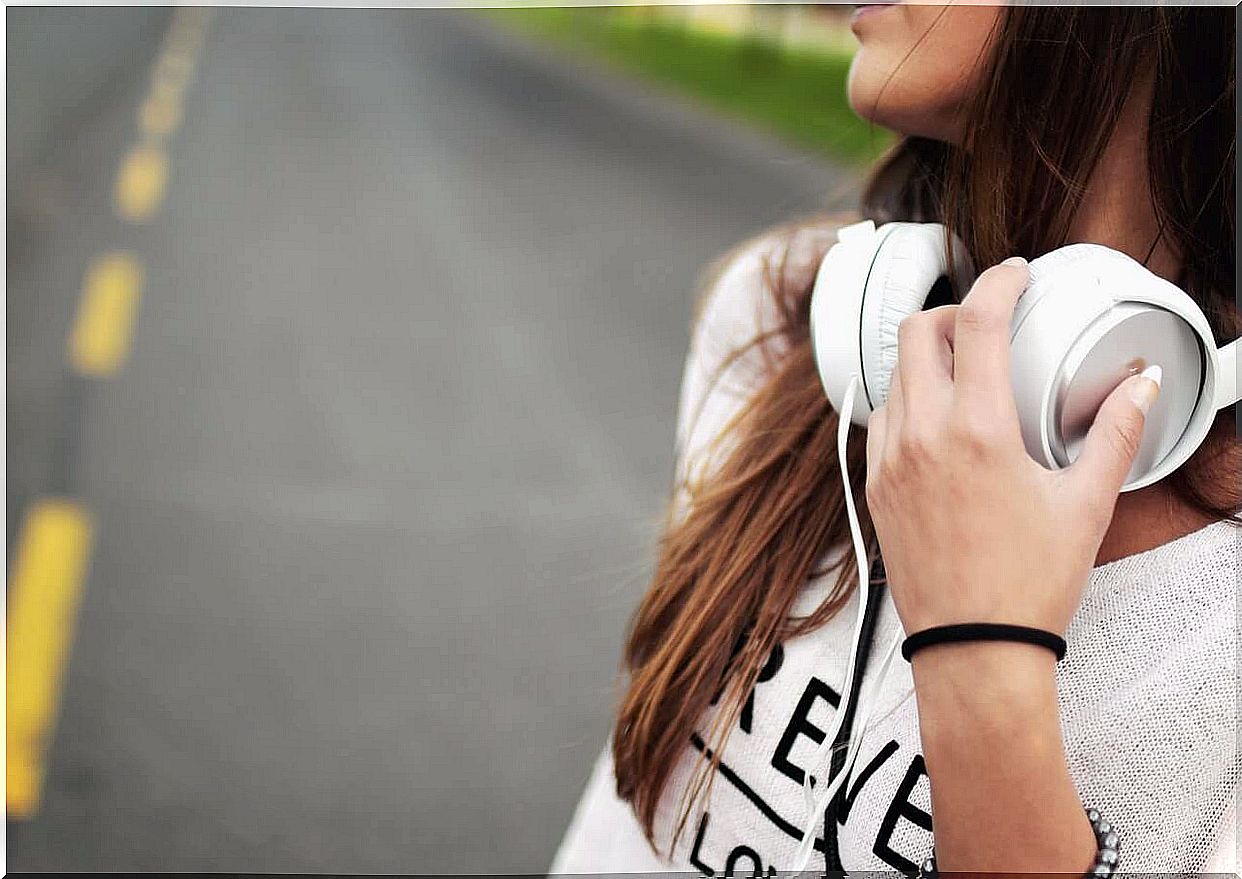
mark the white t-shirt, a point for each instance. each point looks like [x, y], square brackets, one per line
[1148, 697]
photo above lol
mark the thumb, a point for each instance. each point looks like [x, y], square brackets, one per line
[1113, 441]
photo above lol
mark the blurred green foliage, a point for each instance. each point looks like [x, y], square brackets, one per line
[799, 94]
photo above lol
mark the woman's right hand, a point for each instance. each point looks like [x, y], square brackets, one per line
[973, 529]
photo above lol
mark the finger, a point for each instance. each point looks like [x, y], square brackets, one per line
[982, 333]
[925, 353]
[876, 430]
[1110, 446]
[896, 416]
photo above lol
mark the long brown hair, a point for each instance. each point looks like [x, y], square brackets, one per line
[729, 570]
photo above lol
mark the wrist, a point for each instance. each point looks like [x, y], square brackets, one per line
[996, 664]
[970, 692]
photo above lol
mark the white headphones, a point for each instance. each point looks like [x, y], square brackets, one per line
[1088, 318]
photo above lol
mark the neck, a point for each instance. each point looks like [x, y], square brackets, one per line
[1117, 208]
[1117, 211]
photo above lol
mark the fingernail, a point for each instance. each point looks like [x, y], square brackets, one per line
[1014, 261]
[1144, 393]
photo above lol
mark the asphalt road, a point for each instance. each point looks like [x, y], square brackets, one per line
[378, 485]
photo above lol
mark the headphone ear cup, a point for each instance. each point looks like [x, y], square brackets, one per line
[1089, 317]
[909, 264]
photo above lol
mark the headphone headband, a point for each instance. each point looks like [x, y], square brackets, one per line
[1227, 375]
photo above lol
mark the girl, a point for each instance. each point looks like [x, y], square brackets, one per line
[1025, 128]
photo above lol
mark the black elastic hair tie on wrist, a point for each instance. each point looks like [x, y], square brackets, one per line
[982, 632]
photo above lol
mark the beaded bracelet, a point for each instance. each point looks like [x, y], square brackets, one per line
[1106, 855]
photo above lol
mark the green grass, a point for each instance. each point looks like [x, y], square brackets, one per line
[797, 94]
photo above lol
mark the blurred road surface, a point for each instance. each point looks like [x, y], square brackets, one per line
[378, 485]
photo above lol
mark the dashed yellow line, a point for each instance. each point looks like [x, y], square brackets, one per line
[140, 183]
[100, 339]
[143, 175]
[53, 547]
[45, 583]
[160, 113]
[174, 69]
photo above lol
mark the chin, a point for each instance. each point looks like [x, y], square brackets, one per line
[861, 92]
[917, 65]
[874, 96]
[891, 101]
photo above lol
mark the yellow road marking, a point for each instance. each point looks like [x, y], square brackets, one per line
[54, 545]
[181, 53]
[174, 69]
[140, 183]
[45, 583]
[99, 341]
[165, 89]
[185, 40]
[160, 114]
[194, 19]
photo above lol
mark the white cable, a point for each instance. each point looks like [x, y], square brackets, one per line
[860, 557]
[867, 702]
[816, 805]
